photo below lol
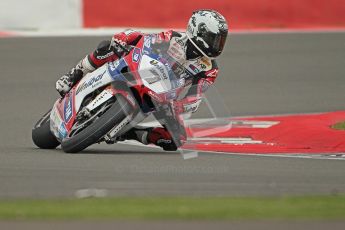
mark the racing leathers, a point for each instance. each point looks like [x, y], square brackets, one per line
[202, 73]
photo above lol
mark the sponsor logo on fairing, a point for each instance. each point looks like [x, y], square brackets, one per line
[154, 78]
[62, 131]
[165, 63]
[113, 65]
[68, 109]
[136, 55]
[114, 69]
[154, 62]
[90, 82]
[160, 68]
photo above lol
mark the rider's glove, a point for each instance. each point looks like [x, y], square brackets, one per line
[63, 85]
[161, 137]
[67, 81]
[178, 107]
[117, 43]
[187, 105]
[119, 38]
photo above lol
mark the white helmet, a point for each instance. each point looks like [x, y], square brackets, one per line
[207, 31]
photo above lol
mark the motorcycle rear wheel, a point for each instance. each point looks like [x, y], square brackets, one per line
[41, 134]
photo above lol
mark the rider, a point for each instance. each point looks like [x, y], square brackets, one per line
[196, 50]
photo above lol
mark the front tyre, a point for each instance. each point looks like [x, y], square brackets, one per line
[101, 126]
[41, 134]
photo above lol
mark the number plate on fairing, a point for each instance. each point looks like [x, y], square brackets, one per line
[155, 75]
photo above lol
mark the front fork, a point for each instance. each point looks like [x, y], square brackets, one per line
[116, 90]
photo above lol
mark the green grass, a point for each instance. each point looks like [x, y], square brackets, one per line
[339, 126]
[315, 207]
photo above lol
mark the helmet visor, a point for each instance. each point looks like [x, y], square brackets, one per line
[215, 43]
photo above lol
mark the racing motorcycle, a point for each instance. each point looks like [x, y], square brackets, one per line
[108, 102]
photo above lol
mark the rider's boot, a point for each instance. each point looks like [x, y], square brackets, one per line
[139, 134]
[157, 136]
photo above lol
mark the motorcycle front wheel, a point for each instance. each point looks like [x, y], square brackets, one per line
[118, 111]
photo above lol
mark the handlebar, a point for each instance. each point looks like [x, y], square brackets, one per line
[126, 48]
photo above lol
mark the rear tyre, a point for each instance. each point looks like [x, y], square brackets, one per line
[41, 134]
[101, 126]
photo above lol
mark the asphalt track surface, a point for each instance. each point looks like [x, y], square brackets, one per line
[260, 74]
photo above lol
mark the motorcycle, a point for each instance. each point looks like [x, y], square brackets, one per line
[108, 102]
